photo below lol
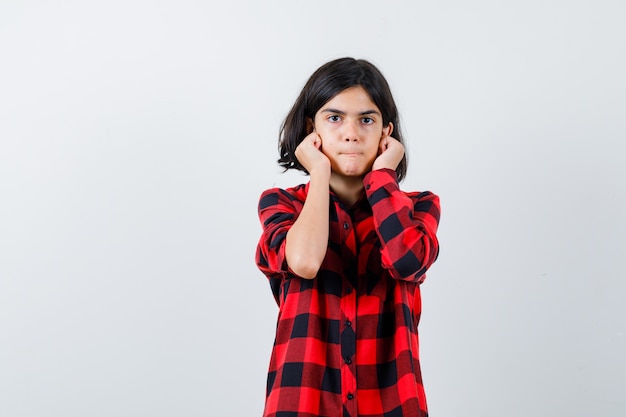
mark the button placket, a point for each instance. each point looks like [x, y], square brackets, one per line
[346, 229]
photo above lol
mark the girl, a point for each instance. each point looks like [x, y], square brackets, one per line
[345, 254]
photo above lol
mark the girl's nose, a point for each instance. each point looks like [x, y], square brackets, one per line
[351, 132]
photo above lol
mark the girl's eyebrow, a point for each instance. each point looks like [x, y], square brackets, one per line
[343, 113]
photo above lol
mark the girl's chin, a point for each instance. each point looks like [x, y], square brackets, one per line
[352, 171]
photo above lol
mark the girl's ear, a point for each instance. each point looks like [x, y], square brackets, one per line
[310, 127]
[387, 130]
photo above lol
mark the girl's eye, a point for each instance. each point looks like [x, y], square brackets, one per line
[334, 118]
[368, 120]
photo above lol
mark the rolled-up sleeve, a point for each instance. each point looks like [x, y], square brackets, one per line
[278, 210]
[406, 224]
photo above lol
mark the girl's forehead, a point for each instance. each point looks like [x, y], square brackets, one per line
[352, 97]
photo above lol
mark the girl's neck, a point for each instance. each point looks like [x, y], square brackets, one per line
[348, 189]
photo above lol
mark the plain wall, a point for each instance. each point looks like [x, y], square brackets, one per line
[137, 136]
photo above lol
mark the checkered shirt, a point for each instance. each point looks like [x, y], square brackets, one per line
[346, 341]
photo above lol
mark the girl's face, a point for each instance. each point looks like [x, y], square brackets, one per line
[351, 127]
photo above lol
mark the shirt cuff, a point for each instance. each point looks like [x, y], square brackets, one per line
[376, 179]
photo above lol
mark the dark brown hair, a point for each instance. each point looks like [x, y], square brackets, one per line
[326, 82]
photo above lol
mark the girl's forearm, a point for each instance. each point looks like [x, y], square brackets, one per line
[307, 240]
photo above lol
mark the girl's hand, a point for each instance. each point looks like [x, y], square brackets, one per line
[310, 156]
[390, 153]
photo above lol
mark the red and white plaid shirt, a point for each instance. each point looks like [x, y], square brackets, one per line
[346, 341]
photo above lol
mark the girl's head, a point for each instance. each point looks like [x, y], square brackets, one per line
[326, 82]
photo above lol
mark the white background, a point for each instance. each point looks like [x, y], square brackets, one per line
[137, 136]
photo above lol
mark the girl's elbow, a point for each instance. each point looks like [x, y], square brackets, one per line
[304, 268]
[306, 272]
[310, 274]
[414, 263]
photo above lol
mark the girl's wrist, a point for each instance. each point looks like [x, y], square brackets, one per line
[321, 170]
[320, 174]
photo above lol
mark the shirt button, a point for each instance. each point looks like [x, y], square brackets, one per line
[348, 290]
[348, 323]
[348, 361]
[350, 396]
[346, 226]
[368, 186]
